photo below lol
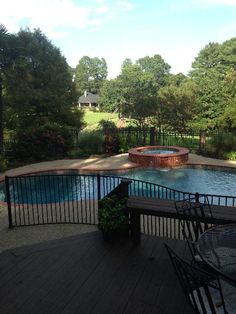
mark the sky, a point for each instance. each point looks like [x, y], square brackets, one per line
[119, 29]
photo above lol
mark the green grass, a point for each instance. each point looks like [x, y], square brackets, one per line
[92, 118]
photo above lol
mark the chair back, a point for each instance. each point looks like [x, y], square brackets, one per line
[202, 289]
[194, 214]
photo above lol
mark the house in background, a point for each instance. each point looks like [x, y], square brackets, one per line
[89, 100]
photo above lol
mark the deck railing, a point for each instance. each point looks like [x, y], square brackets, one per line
[73, 198]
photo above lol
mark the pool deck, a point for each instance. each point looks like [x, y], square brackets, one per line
[117, 162]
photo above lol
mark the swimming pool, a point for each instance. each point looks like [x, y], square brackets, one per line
[43, 189]
[192, 180]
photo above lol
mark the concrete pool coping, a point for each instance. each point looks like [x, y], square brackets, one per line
[117, 162]
[16, 237]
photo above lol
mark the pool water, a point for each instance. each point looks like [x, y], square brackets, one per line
[158, 151]
[50, 189]
[192, 180]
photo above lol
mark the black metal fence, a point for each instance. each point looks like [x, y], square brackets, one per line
[195, 140]
[131, 137]
[73, 198]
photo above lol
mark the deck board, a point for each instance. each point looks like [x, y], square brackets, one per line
[82, 274]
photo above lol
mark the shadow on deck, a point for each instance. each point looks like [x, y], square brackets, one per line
[82, 274]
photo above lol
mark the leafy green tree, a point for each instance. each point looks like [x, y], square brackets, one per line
[90, 74]
[176, 102]
[44, 91]
[138, 90]
[127, 62]
[228, 119]
[157, 66]
[111, 96]
[8, 53]
[210, 69]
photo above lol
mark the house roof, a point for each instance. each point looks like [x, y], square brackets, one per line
[88, 98]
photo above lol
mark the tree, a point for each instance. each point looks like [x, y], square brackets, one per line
[210, 69]
[176, 102]
[157, 66]
[138, 90]
[126, 63]
[8, 53]
[111, 96]
[228, 119]
[90, 74]
[44, 91]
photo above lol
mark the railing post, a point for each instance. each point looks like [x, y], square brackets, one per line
[197, 197]
[8, 197]
[125, 187]
[202, 141]
[99, 186]
[152, 134]
[135, 227]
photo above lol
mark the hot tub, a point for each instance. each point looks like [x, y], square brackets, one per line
[159, 156]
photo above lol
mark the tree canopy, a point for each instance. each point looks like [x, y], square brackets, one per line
[212, 69]
[90, 74]
[44, 91]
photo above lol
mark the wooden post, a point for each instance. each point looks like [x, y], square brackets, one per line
[135, 227]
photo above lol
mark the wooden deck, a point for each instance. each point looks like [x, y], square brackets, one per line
[82, 274]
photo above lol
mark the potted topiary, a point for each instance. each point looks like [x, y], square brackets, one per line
[113, 221]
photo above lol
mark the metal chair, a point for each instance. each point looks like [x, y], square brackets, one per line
[203, 290]
[194, 214]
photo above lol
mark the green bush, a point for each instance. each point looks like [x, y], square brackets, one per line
[221, 145]
[230, 155]
[90, 143]
[111, 141]
[3, 164]
[111, 216]
[45, 142]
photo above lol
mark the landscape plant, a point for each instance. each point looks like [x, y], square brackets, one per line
[45, 142]
[89, 143]
[113, 221]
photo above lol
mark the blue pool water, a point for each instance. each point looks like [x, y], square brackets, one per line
[158, 151]
[50, 189]
[206, 181]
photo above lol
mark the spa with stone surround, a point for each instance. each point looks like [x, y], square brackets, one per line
[159, 156]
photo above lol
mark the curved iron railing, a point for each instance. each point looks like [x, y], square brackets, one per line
[73, 198]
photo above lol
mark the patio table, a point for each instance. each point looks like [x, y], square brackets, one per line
[217, 247]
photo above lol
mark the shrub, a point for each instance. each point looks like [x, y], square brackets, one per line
[221, 145]
[111, 141]
[44, 142]
[90, 143]
[111, 216]
[3, 164]
[230, 155]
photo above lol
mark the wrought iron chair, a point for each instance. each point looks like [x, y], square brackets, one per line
[194, 214]
[202, 289]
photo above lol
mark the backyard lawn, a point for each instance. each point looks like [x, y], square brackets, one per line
[92, 118]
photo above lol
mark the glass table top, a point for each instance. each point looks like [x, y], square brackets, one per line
[217, 247]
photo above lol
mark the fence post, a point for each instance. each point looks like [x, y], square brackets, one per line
[197, 197]
[125, 187]
[152, 135]
[8, 197]
[202, 141]
[99, 186]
